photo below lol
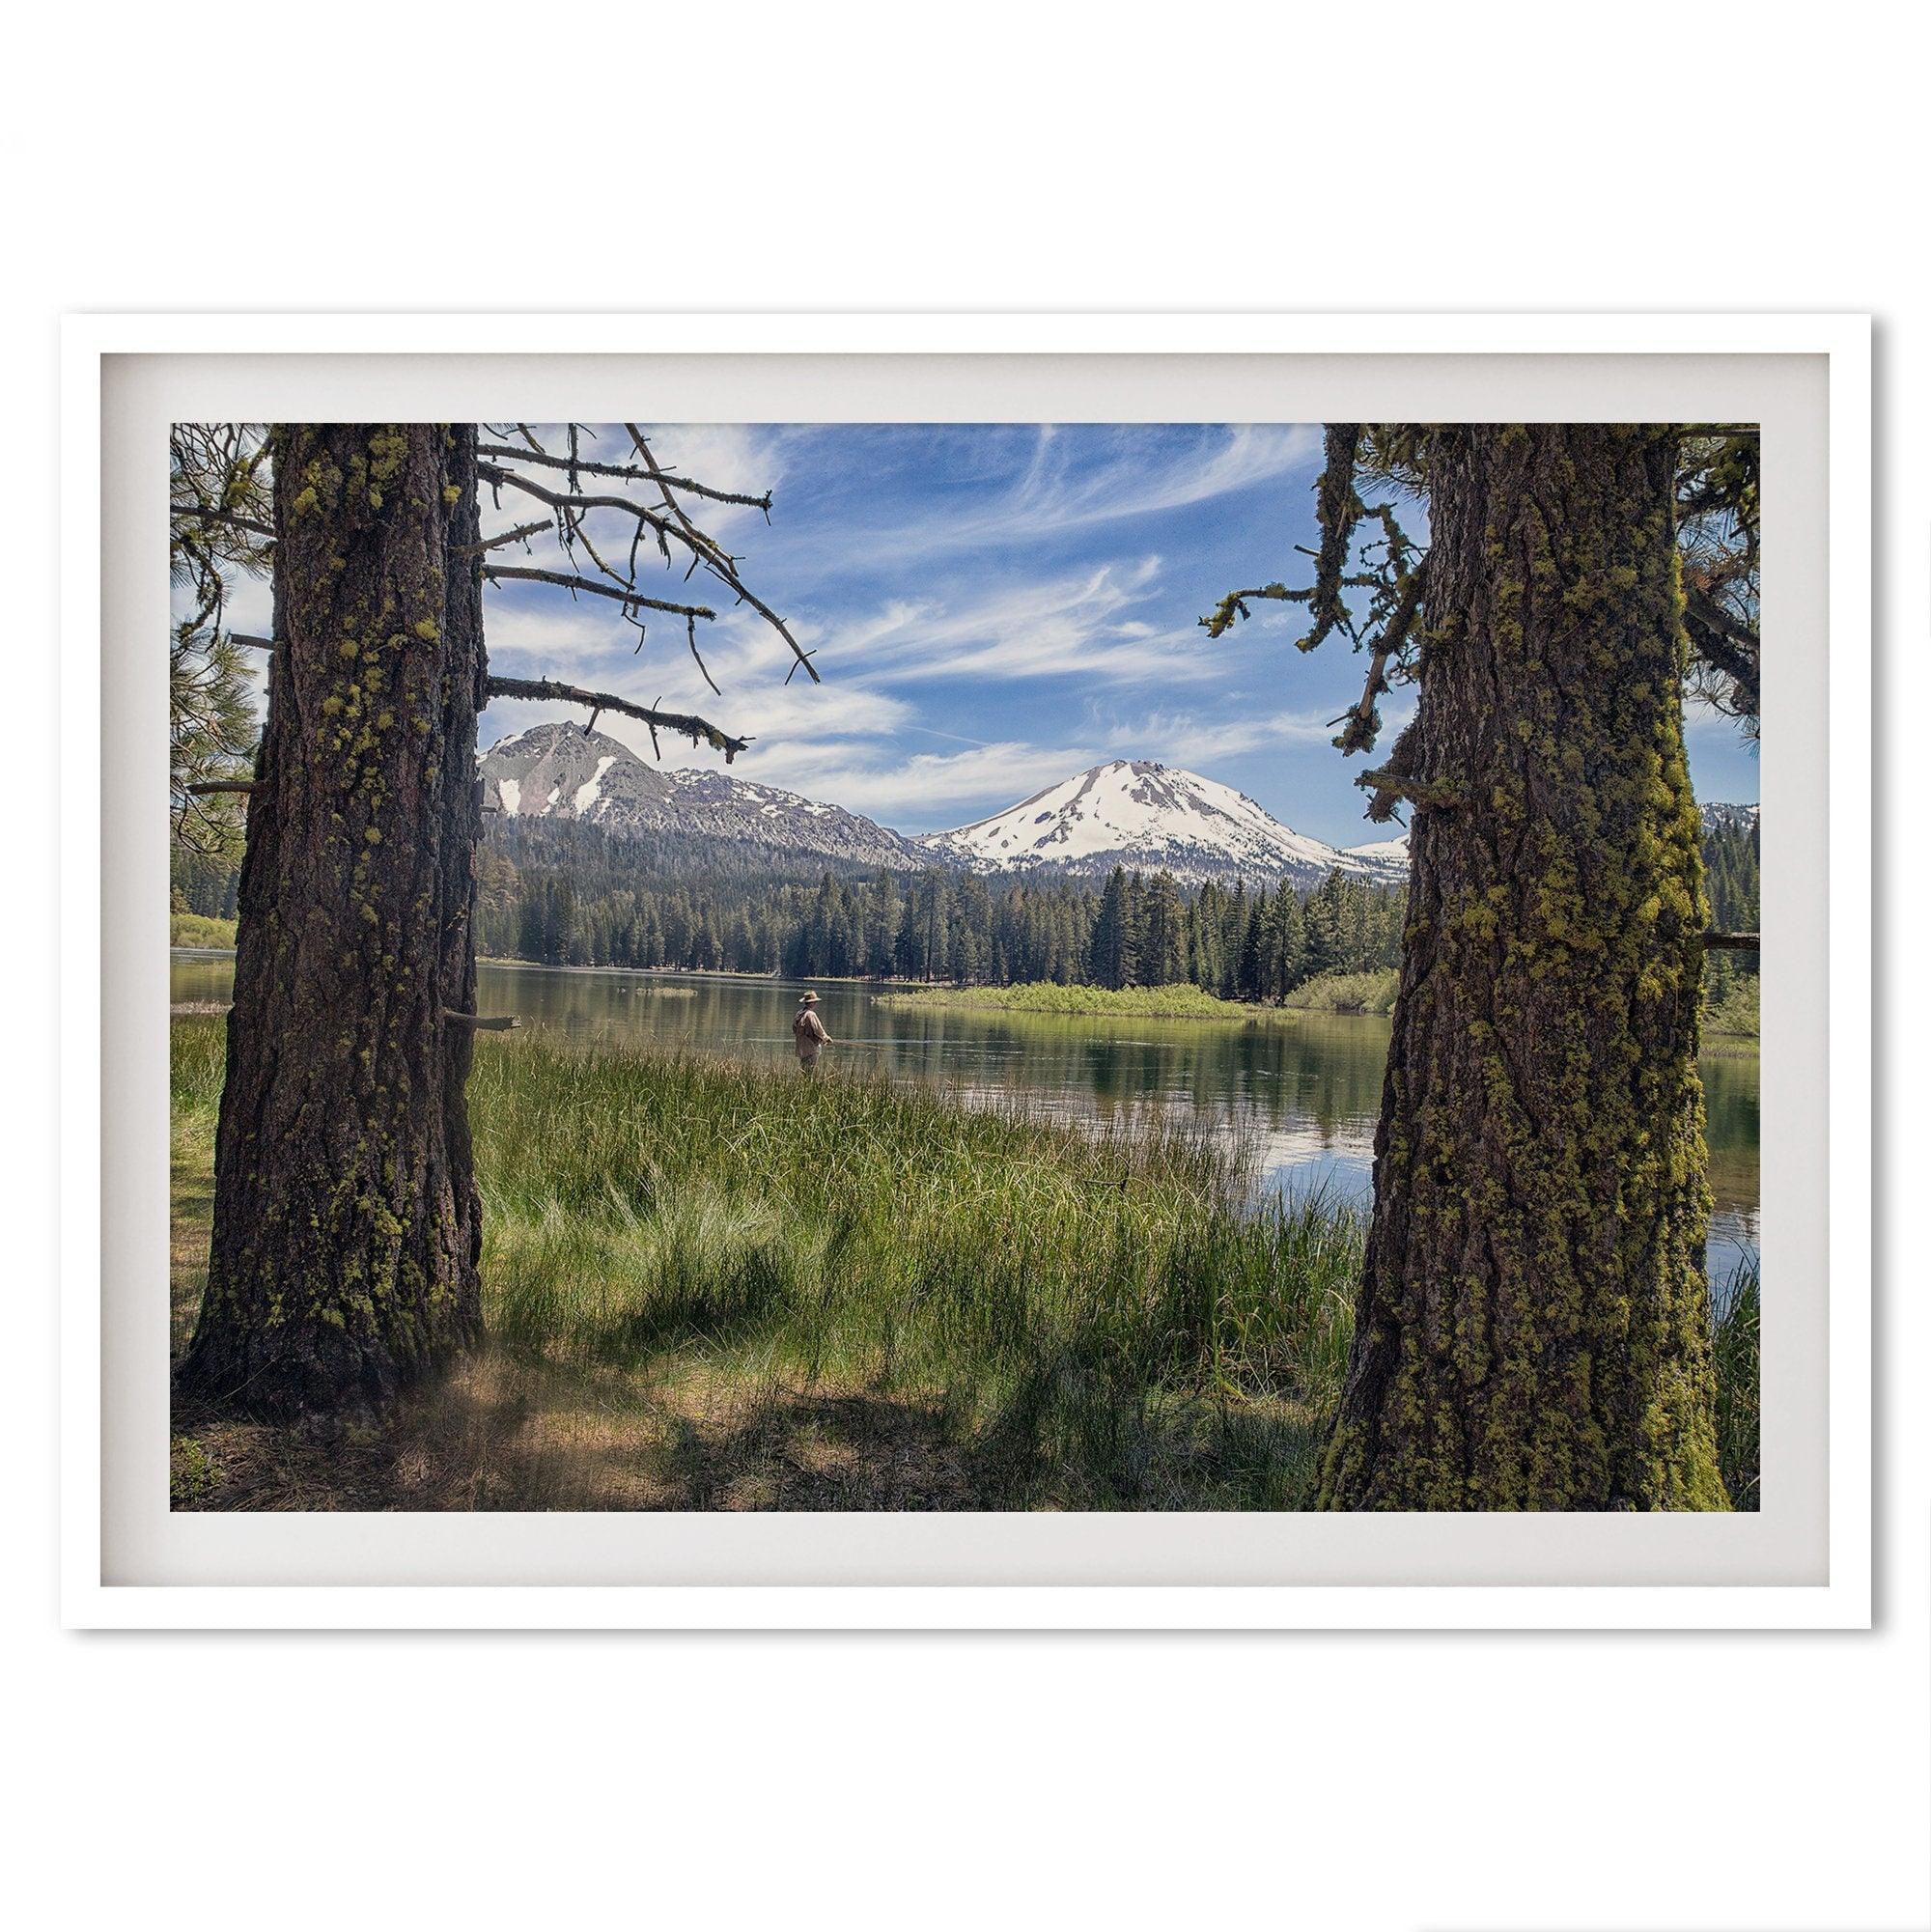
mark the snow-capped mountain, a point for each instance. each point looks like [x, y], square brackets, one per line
[562, 772]
[1151, 817]
[1730, 818]
[1134, 813]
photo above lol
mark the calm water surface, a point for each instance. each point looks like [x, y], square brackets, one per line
[1305, 1095]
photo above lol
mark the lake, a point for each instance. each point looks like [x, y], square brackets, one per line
[1305, 1094]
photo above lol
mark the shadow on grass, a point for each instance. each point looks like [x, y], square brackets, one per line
[504, 1434]
[499, 1434]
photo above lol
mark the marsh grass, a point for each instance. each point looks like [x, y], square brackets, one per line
[1738, 1344]
[1086, 1313]
[716, 1285]
[734, 1265]
[1044, 996]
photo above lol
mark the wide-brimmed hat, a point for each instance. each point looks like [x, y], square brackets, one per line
[807, 999]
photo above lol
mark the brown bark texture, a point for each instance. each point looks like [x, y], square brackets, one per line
[1532, 1322]
[347, 1226]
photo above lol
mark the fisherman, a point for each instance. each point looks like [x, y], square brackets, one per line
[807, 1033]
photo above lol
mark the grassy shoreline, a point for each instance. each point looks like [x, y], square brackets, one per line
[1136, 1002]
[201, 933]
[1734, 1025]
[1370, 994]
[717, 1285]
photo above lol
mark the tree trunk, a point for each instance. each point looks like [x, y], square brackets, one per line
[1532, 1325]
[345, 1218]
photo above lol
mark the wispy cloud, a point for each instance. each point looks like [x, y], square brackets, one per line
[1064, 490]
[993, 607]
[545, 633]
[928, 791]
[1186, 739]
[1068, 624]
[1079, 482]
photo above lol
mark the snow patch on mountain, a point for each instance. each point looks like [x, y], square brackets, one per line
[591, 789]
[1380, 851]
[598, 780]
[1730, 818]
[1145, 816]
[1138, 814]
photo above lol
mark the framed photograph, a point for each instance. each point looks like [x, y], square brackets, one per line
[947, 972]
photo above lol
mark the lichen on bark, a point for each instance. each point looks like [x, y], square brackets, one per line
[1532, 1324]
[347, 1226]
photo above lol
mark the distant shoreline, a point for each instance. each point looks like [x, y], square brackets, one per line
[1047, 999]
[1050, 1000]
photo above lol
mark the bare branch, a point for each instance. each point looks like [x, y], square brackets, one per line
[515, 535]
[615, 591]
[703, 669]
[671, 521]
[1363, 723]
[570, 504]
[629, 472]
[547, 690]
[227, 517]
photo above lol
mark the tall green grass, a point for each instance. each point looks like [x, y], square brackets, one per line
[1101, 1320]
[1737, 1347]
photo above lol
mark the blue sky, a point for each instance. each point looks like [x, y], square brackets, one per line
[994, 608]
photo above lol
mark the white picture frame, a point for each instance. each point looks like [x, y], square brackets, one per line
[114, 1484]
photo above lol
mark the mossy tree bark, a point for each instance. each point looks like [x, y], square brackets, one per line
[1532, 1325]
[347, 1225]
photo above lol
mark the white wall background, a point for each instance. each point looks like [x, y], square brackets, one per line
[996, 156]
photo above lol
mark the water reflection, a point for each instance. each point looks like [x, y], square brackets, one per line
[1305, 1095]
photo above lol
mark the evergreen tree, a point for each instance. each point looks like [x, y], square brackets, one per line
[346, 1222]
[1532, 1325]
[1164, 960]
[1326, 927]
[1114, 959]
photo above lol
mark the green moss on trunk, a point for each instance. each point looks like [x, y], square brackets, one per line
[1532, 1326]
[346, 1220]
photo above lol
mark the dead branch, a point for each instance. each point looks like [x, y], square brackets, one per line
[515, 536]
[615, 591]
[664, 523]
[228, 516]
[1734, 942]
[629, 472]
[1723, 641]
[477, 1024]
[547, 690]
